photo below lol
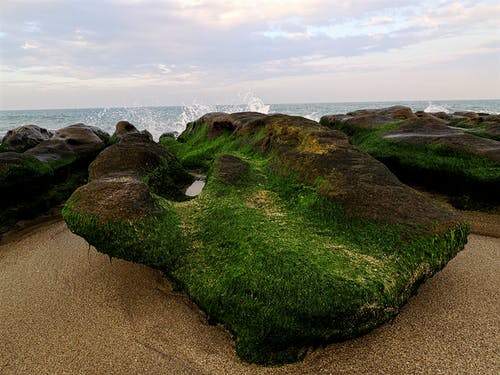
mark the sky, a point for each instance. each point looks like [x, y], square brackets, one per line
[70, 54]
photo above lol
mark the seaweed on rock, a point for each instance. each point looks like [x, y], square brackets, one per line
[298, 238]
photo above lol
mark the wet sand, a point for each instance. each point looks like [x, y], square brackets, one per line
[65, 308]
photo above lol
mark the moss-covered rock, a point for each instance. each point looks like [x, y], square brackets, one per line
[298, 238]
[428, 151]
[46, 174]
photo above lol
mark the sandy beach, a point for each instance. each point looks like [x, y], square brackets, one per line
[65, 308]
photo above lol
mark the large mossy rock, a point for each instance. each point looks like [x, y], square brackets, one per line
[461, 162]
[298, 238]
[47, 173]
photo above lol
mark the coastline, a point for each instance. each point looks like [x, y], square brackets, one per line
[67, 308]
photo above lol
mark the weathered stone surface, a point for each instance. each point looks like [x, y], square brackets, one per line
[74, 141]
[397, 112]
[112, 199]
[11, 158]
[368, 118]
[429, 130]
[46, 174]
[124, 127]
[134, 154]
[230, 169]
[25, 137]
[118, 188]
[362, 184]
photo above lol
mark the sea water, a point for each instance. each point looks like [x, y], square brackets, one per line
[159, 120]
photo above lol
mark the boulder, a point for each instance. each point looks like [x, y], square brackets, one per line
[25, 137]
[77, 141]
[115, 198]
[456, 154]
[124, 127]
[130, 170]
[46, 174]
[230, 170]
[134, 154]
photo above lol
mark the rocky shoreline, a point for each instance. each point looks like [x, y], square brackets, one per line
[299, 237]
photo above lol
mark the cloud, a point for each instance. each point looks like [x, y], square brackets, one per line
[30, 45]
[199, 43]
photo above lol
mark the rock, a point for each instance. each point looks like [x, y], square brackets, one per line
[397, 112]
[130, 170]
[467, 114]
[324, 244]
[46, 174]
[367, 118]
[431, 131]
[219, 124]
[447, 153]
[77, 141]
[113, 198]
[25, 137]
[440, 115]
[124, 127]
[134, 154]
[230, 170]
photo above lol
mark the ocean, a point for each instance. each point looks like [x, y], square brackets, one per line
[159, 120]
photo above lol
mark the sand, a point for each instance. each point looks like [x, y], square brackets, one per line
[65, 308]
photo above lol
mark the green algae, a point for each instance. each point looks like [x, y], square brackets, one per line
[471, 180]
[281, 267]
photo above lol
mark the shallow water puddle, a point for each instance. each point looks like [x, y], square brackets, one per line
[195, 188]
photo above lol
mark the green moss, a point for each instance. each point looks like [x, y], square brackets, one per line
[284, 271]
[155, 241]
[450, 171]
[32, 187]
[481, 132]
[199, 157]
[281, 267]
[4, 148]
[168, 180]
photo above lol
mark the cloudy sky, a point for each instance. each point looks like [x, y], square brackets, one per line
[64, 53]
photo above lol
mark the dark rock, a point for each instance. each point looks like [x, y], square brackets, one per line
[124, 127]
[25, 137]
[74, 141]
[219, 122]
[135, 154]
[467, 114]
[349, 175]
[440, 115]
[230, 170]
[46, 174]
